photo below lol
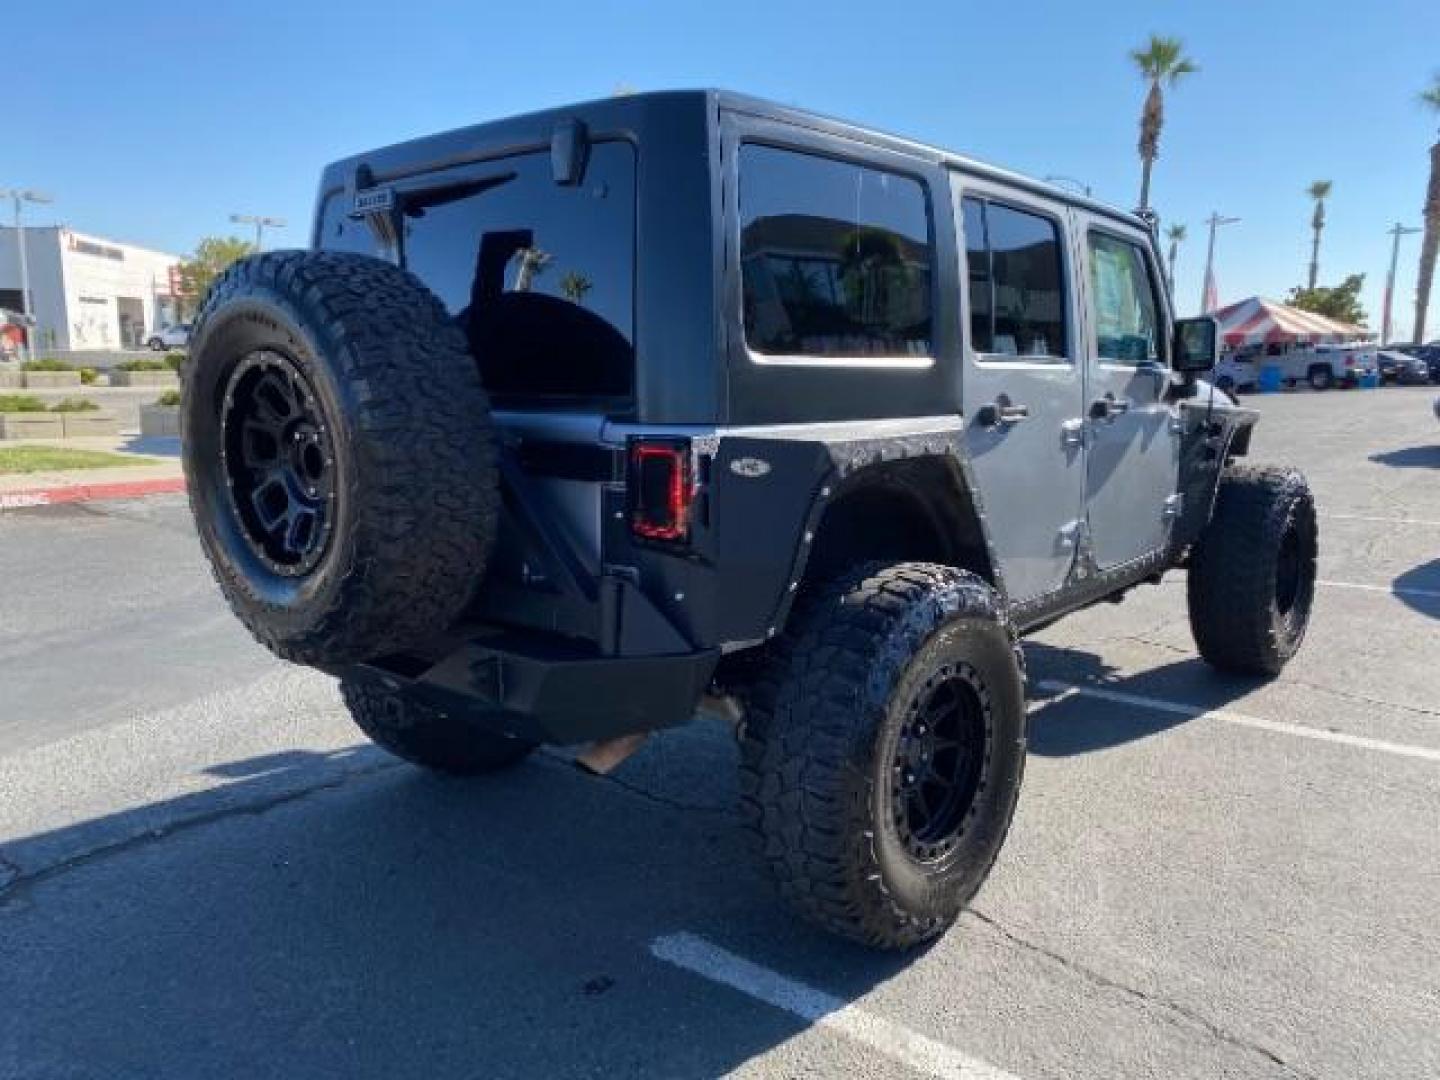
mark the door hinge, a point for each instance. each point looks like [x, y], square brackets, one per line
[1174, 505]
[1072, 432]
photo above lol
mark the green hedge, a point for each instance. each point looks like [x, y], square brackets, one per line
[170, 399]
[143, 365]
[48, 363]
[21, 403]
[74, 404]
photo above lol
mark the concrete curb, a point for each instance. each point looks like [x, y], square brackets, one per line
[68, 493]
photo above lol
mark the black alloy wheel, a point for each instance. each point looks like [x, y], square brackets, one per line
[279, 462]
[938, 762]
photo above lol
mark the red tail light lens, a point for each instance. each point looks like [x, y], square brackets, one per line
[660, 489]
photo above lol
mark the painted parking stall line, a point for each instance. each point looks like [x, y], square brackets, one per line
[1279, 727]
[1381, 520]
[698, 956]
[1392, 590]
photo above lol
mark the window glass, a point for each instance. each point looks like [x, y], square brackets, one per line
[1127, 329]
[982, 290]
[539, 275]
[1026, 276]
[835, 257]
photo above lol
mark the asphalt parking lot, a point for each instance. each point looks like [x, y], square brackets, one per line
[205, 871]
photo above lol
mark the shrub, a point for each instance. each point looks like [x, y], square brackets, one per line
[74, 404]
[170, 399]
[48, 363]
[88, 375]
[174, 361]
[21, 403]
[143, 365]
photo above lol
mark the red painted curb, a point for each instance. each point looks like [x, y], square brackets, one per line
[68, 493]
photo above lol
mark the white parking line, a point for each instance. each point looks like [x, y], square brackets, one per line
[695, 954]
[1393, 590]
[1423, 753]
[1381, 520]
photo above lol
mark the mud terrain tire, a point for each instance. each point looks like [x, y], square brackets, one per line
[339, 455]
[834, 750]
[1252, 575]
[455, 743]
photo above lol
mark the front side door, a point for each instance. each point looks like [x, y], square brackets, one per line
[1133, 456]
[1022, 381]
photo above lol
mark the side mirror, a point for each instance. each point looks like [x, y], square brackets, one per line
[1197, 345]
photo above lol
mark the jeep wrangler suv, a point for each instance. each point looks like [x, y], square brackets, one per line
[571, 425]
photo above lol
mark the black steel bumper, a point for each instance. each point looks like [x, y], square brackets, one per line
[547, 690]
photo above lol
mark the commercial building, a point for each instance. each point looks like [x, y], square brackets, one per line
[87, 292]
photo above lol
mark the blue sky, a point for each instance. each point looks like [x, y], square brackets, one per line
[150, 122]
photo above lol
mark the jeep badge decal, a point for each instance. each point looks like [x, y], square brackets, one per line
[749, 466]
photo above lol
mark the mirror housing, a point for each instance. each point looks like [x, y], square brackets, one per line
[1196, 347]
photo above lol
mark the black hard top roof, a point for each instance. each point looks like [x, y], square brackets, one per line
[623, 109]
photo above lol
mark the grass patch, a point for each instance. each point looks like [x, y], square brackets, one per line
[144, 365]
[48, 363]
[175, 361]
[21, 403]
[88, 375]
[170, 399]
[29, 459]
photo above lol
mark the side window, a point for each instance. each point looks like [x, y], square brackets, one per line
[835, 258]
[1127, 323]
[1016, 281]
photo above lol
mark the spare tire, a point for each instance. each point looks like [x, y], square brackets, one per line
[339, 454]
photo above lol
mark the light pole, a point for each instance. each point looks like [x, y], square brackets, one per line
[261, 223]
[1207, 287]
[24, 195]
[1396, 231]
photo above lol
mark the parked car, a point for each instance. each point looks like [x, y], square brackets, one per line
[742, 433]
[1325, 366]
[1430, 354]
[1402, 368]
[170, 337]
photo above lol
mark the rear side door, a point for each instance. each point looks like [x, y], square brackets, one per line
[1022, 380]
[1133, 455]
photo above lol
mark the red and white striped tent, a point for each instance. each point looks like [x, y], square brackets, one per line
[1258, 321]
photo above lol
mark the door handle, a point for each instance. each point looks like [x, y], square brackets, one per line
[1107, 407]
[1001, 414]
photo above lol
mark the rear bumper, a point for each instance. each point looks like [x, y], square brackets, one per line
[545, 690]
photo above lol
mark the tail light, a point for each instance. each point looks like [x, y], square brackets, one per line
[660, 489]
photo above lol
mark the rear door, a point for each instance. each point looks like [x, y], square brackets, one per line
[1133, 457]
[1022, 381]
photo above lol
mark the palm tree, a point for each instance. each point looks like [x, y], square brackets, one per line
[1161, 61]
[1175, 234]
[1319, 191]
[1430, 244]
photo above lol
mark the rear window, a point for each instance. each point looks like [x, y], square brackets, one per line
[540, 276]
[835, 258]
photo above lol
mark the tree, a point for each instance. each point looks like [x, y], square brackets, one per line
[1176, 235]
[1319, 191]
[1430, 243]
[1161, 62]
[212, 256]
[1340, 302]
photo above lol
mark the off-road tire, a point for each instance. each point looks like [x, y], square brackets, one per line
[1321, 378]
[1247, 613]
[454, 743]
[822, 733]
[415, 489]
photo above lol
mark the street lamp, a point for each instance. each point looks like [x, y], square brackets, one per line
[1207, 287]
[19, 196]
[261, 224]
[1396, 231]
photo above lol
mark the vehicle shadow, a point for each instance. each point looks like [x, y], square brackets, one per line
[399, 924]
[1419, 588]
[1063, 725]
[1410, 457]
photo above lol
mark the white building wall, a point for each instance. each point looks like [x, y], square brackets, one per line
[82, 285]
